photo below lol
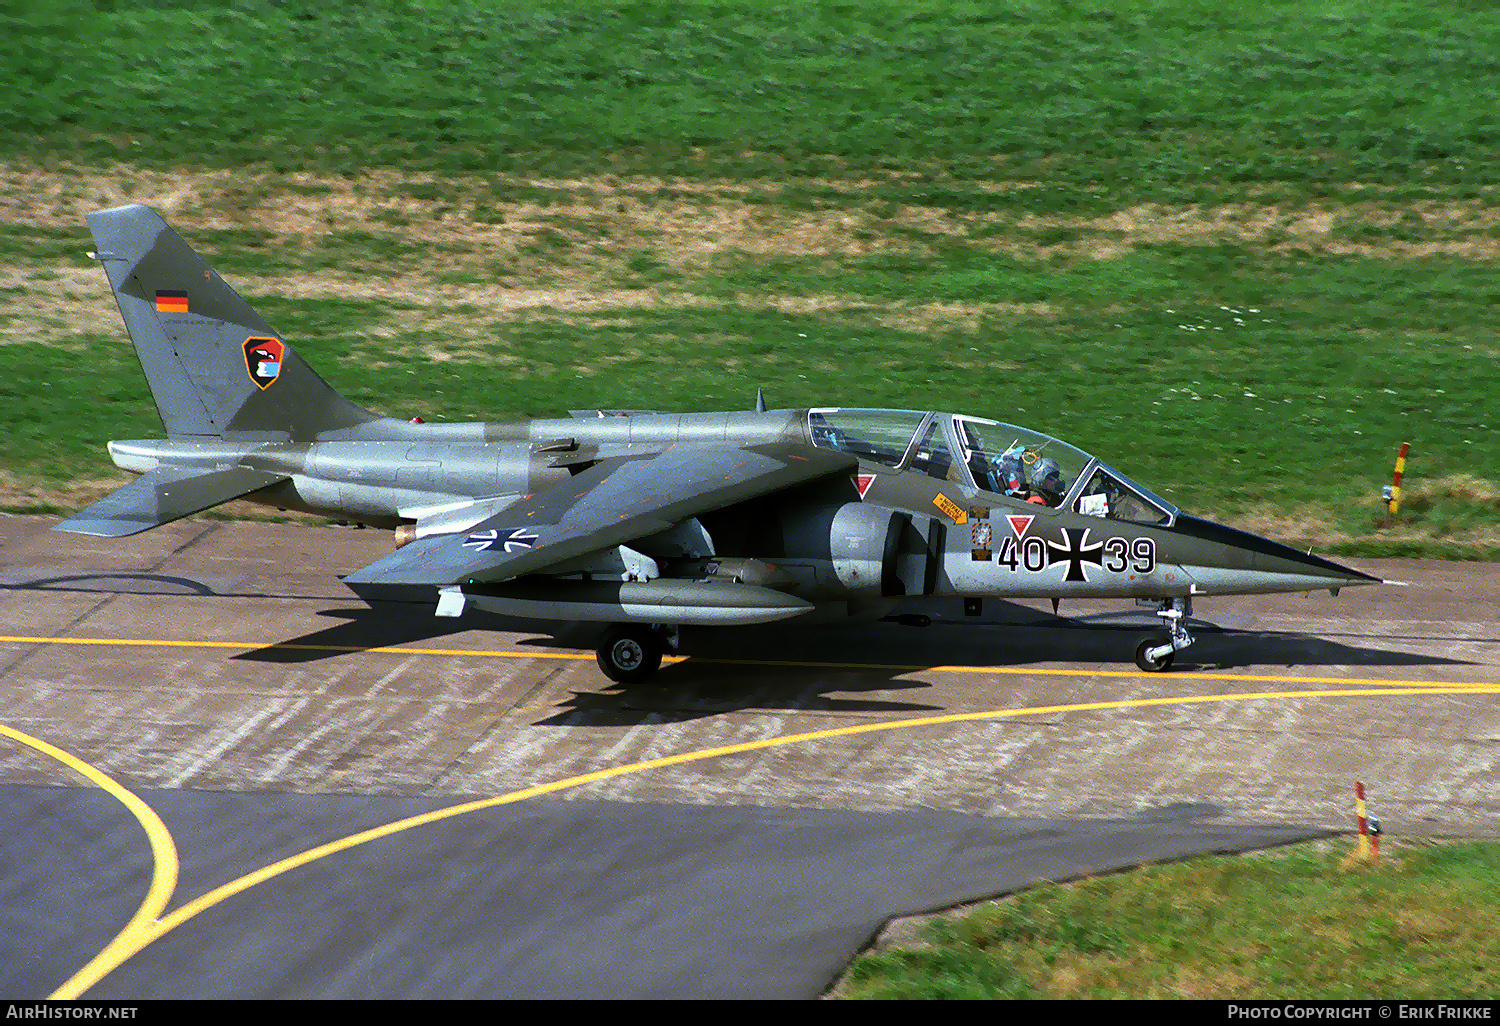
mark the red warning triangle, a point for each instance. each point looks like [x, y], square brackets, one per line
[863, 483]
[1020, 524]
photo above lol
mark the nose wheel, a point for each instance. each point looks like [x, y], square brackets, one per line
[1155, 643]
[1154, 653]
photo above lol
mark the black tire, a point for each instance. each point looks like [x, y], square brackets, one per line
[1149, 642]
[629, 654]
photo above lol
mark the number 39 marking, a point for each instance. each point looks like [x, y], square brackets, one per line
[1138, 554]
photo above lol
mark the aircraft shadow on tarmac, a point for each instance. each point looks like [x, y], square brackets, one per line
[1107, 639]
[1013, 635]
[802, 668]
[796, 669]
[377, 627]
[116, 583]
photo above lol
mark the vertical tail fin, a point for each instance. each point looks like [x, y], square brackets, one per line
[214, 367]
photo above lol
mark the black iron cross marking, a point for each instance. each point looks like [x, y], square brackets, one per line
[1076, 553]
[513, 540]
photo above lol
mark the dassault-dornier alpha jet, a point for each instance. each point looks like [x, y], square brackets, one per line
[641, 520]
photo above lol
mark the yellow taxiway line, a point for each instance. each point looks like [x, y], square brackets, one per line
[144, 926]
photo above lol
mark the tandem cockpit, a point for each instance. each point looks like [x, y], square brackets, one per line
[1020, 464]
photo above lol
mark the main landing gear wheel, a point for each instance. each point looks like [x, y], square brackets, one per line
[630, 653]
[1143, 658]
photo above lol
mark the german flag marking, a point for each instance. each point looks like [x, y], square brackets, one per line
[171, 301]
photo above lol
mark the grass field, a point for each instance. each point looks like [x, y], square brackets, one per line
[1241, 254]
[1307, 922]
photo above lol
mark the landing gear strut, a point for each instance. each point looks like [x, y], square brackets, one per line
[631, 652]
[1155, 651]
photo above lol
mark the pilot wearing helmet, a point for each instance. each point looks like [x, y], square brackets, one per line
[1008, 476]
[1047, 482]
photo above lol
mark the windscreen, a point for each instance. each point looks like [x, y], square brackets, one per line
[1110, 495]
[882, 436]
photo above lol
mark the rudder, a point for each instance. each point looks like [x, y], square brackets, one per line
[214, 367]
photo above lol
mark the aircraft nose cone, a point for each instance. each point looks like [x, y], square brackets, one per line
[1226, 560]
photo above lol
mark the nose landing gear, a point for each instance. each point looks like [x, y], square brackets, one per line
[1156, 650]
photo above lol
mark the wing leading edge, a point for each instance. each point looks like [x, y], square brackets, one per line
[615, 502]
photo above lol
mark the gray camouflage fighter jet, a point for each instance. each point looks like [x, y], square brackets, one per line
[648, 521]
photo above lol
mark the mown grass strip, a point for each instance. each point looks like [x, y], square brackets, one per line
[1306, 922]
[1163, 95]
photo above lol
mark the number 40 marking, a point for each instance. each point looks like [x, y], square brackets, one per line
[1031, 553]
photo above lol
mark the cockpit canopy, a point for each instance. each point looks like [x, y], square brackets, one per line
[1020, 464]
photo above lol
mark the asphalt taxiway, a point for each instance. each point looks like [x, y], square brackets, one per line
[213, 656]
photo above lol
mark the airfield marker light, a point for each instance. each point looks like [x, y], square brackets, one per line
[1393, 494]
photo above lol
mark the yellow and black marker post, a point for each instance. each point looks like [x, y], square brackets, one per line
[1393, 494]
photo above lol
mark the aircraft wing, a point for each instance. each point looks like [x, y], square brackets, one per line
[614, 502]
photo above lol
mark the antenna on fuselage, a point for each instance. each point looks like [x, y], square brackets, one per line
[760, 401]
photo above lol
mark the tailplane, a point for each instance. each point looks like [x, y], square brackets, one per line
[163, 495]
[215, 368]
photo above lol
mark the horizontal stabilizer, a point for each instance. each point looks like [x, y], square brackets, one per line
[163, 495]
